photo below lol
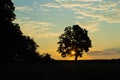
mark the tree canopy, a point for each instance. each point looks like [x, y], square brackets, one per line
[74, 41]
[13, 44]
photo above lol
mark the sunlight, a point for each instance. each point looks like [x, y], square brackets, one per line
[72, 52]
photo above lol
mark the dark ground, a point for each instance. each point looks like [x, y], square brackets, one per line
[62, 70]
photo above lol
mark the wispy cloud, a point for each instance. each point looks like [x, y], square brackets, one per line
[45, 24]
[110, 51]
[24, 8]
[51, 5]
[107, 13]
[46, 35]
[64, 5]
[91, 26]
[37, 29]
[89, 0]
[97, 9]
[78, 0]
[80, 17]
[70, 5]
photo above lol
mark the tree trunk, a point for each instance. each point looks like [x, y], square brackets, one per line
[76, 56]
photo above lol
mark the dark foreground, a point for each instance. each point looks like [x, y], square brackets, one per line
[62, 70]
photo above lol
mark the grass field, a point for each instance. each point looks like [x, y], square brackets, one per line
[62, 70]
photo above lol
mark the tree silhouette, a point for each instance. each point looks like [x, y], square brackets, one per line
[13, 44]
[46, 57]
[74, 41]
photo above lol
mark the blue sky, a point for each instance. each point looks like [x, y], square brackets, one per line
[45, 20]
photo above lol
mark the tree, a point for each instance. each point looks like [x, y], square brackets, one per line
[7, 11]
[74, 41]
[13, 44]
[45, 57]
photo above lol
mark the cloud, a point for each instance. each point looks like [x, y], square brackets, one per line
[110, 51]
[111, 17]
[46, 35]
[51, 5]
[80, 17]
[69, 5]
[78, 0]
[65, 5]
[37, 29]
[45, 10]
[91, 26]
[89, 0]
[115, 50]
[100, 10]
[24, 8]
[45, 24]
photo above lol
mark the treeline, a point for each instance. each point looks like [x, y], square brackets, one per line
[14, 46]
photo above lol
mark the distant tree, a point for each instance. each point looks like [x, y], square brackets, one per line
[74, 41]
[13, 44]
[46, 57]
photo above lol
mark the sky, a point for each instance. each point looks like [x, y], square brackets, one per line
[45, 21]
